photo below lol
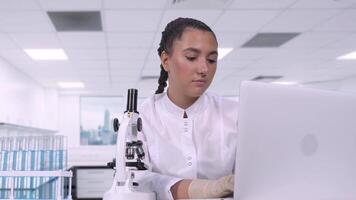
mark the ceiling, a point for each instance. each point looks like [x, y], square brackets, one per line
[116, 58]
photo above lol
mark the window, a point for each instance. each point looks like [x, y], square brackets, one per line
[96, 115]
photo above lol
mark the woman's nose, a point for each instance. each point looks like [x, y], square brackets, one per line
[203, 67]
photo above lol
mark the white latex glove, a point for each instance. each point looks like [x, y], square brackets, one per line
[204, 189]
[154, 182]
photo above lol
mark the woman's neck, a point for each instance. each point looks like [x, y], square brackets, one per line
[181, 101]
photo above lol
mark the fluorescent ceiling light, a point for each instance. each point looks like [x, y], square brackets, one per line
[66, 85]
[285, 82]
[46, 54]
[349, 56]
[223, 52]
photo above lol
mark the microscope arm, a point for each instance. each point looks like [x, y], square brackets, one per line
[120, 175]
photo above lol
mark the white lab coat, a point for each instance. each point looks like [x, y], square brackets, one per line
[201, 146]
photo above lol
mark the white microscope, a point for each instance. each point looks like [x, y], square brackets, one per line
[130, 155]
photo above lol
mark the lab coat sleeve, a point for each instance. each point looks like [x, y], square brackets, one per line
[151, 181]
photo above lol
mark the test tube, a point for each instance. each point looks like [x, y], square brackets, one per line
[41, 165]
[3, 165]
[33, 148]
[23, 150]
[50, 148]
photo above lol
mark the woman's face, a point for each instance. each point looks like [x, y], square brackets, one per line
[192, 63]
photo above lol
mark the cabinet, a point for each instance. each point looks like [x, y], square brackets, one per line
[91, 182]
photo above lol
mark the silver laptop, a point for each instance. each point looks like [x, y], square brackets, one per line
[295, 143]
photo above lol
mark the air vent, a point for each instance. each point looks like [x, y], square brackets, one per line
[149, 77]
[266, 78]
[76, 21]
[269, 39]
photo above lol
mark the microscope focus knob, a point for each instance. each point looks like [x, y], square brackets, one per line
[116, 124]
[139, 124]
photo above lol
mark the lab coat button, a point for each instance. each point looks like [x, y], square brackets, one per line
[189, 164]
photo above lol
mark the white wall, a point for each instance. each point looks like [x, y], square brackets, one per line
[25, 102]
[69, 125]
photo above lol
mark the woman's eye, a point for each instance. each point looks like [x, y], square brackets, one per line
[190, 58]
[211, 61]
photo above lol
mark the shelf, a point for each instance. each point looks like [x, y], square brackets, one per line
[52, 175]
[36, 173]
[27, 129]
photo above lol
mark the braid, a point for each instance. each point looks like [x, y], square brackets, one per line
[173, 31]
[162, 81]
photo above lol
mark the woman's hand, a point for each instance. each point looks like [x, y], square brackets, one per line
[203, 188]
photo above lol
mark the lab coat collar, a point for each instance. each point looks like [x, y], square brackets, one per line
[191, 111]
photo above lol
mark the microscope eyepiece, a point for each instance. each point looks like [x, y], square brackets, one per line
[131, 105]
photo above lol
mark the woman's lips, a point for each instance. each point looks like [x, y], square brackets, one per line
[199, 82]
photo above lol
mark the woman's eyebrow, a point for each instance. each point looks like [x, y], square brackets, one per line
[192, 49]
[198, 51]
[213, 52]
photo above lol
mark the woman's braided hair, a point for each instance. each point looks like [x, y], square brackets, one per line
[174, 30]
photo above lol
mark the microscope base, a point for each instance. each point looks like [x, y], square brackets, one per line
[115, 195]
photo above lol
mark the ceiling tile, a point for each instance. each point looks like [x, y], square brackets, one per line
[272, 40]
[134, 4]
[6, 42]
[151, 69]
[8, 5]
[344, 21]
[20, 63]
[298, 20]
[244, 20]
[124, 81]
[133, 39]
[99, 84]
[14, 54]
[82, 40]
[315, 39]
[86, 54]
[232, 39]
[128, 53]
[94, 72]
[347, 42]
[64, 5]
[36, 40]
[24, 21]
[50, 73]
[233, 64]
[207, 16]
[291, 54]
[260, 4]
[126, 73]
[144, 20]
[126, 65]
[92, 80]
[91, 64]
[156, 41]
[249, 53]
[198, 4]
[345, 65]
[268, 63]
[332, 54]
[56, 66]
[323, 4]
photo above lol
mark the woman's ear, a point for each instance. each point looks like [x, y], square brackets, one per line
[164, 60]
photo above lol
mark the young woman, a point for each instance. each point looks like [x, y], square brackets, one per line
[190, 134]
